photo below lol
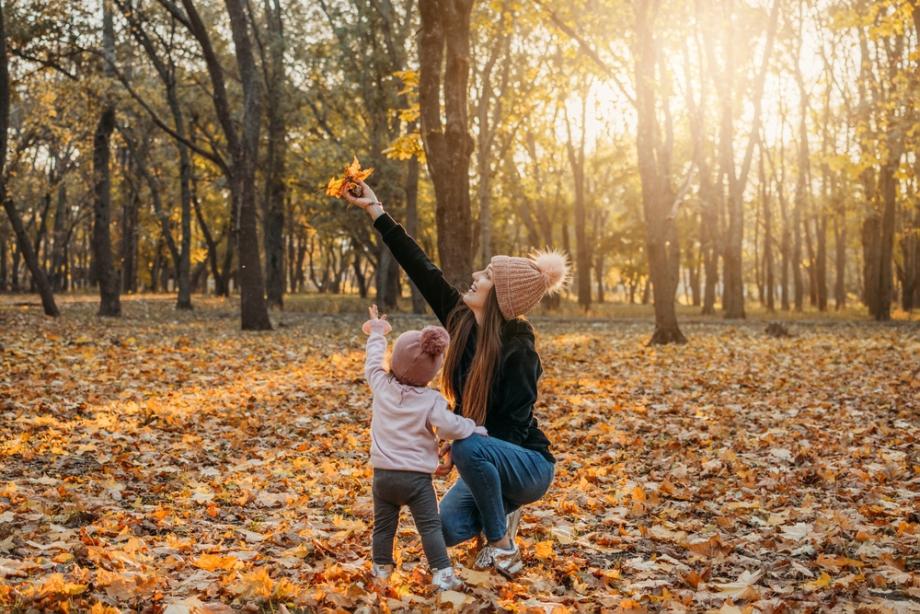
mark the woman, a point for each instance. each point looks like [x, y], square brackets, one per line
[490, 375]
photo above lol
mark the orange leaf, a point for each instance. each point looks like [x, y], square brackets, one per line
[544, 550]
[351, 177]
[213, 562]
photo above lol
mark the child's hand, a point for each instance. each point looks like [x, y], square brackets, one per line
[376, 324]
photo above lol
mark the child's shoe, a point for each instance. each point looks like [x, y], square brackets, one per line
[446, 580]
[381, 573]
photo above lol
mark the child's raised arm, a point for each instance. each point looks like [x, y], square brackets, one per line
[375, 328]
[451, 426]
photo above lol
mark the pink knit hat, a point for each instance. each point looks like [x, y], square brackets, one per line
[417, 355]
[520, 283]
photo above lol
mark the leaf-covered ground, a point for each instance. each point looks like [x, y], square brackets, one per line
[169, 462]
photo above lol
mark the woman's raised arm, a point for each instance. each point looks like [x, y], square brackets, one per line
[427, 277]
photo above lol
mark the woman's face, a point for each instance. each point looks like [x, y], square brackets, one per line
[475, 297]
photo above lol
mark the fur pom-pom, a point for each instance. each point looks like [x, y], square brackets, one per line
[555, 269]
[434, 340]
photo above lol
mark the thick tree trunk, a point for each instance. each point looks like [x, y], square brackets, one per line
[888, 189]
[254, 310]
[871, 263]
[445, 25]
[103, 264]
[654, 170]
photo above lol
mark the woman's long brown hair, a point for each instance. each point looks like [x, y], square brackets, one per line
[485, 361]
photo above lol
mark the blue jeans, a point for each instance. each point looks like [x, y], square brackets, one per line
[496, 478]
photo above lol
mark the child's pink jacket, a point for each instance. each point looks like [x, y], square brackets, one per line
[405, 417]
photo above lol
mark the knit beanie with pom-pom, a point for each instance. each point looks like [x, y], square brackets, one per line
[520, 283]
[418, 354]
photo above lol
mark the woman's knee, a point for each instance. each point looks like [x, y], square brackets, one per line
[457, 524]
[455, 531]
[464, 451]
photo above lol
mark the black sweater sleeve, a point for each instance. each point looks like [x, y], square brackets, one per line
[428, 278]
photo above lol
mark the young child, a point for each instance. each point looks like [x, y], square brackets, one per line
[404, 446]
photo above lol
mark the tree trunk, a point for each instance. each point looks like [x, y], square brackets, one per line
[445, 25]
[840, 262]
[654, 170]
[733, 271]
[110, 303]
[412, 170]
[59, 241]
[273, 203]
[871, 263]
[109, 300]
[184, 297]
[359, 275]
[129, 232]
[769, 278]
[254, 310]
[386, 279]
[888, 189]
[4, 272]
[576, 155]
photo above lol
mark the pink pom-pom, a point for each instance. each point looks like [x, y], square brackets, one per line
[554, 267]
[434, 340]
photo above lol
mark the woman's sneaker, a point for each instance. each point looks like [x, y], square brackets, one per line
[506, 562]
[486, 556]
[446, 580]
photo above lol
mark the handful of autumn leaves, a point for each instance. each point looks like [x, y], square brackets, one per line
[350, 181]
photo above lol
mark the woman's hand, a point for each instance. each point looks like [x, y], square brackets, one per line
[367, 201]
[447, 463]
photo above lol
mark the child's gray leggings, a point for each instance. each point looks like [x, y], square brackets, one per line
[392, 490]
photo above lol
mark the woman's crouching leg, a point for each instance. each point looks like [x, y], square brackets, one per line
[459, 515]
